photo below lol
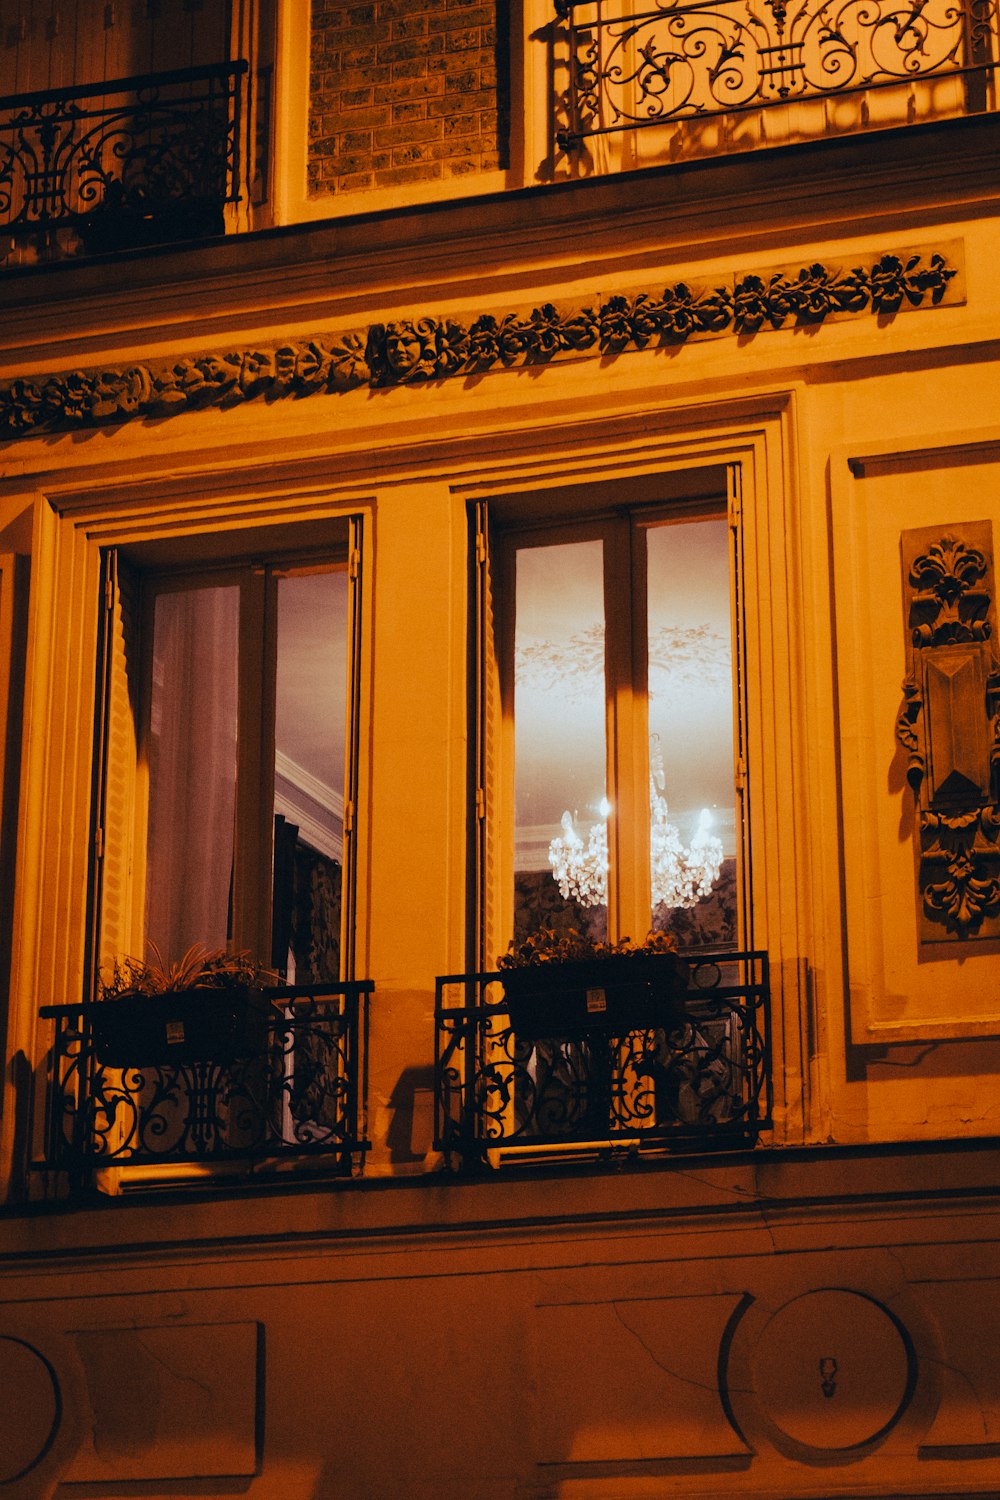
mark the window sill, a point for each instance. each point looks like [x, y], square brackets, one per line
[894, 1179]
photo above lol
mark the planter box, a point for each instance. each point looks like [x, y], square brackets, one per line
[609, 996]
[201, 1025]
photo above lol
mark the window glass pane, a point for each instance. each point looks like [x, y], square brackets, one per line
[310, 718]
[192, 769]
[693, 805]
[560, 759]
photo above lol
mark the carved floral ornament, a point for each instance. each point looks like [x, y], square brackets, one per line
[949, 726]
[429, 348]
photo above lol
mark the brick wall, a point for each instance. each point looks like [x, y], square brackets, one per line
[404, 91]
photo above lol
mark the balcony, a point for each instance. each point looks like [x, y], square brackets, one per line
[685, 78]
[120, 165]
[288, 1088]
[699, 1083]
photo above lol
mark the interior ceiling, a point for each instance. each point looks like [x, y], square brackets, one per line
[560, 679]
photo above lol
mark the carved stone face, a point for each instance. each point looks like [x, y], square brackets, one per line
[402, 348]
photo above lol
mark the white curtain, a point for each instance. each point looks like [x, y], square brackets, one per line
[192, 768]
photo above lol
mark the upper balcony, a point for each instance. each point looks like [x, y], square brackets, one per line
[440, 109]
[120, 165]
[128, 126]
[643, 84]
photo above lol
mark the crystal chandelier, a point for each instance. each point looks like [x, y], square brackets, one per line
[680, 876]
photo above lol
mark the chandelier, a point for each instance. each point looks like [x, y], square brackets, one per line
[680, 876]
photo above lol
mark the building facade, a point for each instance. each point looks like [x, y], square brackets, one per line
[469, 471]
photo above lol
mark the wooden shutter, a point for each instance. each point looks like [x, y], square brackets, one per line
[352, 746]
[112, 919]
[735, 508]
[489, 914]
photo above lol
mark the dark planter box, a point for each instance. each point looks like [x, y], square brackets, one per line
[201, 1025]
[609, 996]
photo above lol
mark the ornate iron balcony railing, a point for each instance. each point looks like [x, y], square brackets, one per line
[123, 164]
[699, 1084]
[297, 1090]
[645, 65]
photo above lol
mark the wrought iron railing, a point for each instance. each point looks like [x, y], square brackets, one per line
[299, 1092]
[122, 164]
[703, 1082]
[633, 66]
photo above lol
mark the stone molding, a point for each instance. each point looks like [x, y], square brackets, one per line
[430, 348]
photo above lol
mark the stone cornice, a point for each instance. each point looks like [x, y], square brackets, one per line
[431, 348]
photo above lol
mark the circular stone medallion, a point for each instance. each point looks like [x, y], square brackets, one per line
[832, 1370]
[29, 1400]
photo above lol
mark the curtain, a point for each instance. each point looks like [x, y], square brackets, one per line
[192, 769]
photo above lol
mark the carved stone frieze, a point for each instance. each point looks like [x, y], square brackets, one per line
[429, 348]
[949, 727]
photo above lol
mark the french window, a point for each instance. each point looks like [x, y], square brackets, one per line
[225, 778]
[611, 742]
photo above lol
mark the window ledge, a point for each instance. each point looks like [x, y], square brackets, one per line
[894, 1179]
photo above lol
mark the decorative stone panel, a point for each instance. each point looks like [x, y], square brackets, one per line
[170, 1403]
[949, 726]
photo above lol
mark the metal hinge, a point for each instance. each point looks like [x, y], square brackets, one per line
[480, 803]
[354, 564]
[348, 816]
[735, 510]
[99, 842]
[480, 548]
[109, 595]
[740, 776]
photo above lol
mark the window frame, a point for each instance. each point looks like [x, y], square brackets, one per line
[622, 528]
[256, 571]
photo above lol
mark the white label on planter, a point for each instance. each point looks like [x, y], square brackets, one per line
[596, 1001]
[175, 1031]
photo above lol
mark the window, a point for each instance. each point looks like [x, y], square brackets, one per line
[617, 723]
[235, 686]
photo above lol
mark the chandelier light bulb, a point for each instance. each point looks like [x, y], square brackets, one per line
[680, 876]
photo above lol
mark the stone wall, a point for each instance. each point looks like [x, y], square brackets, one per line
[404, 91]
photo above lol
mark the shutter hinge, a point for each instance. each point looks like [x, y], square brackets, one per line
[354, 564]
[109, 594]
[740, 776]
[480, 548]
[480, 803]
[348, 816]
[735, 510]
[99, 843]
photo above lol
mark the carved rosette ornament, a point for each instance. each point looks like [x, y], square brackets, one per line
[949, 726]
[417, 350]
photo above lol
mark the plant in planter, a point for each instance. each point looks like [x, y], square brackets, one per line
[208, 1006]
[566, 984]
